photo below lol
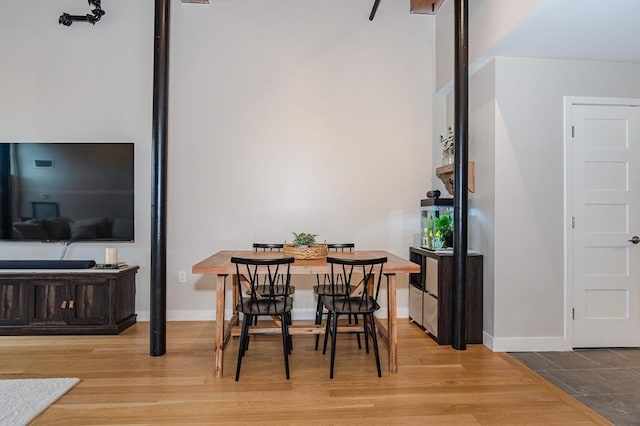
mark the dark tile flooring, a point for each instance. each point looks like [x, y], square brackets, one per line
[605, 380]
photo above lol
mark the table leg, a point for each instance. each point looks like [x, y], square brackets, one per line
[219, 349]
[236, 295]
[392, 328]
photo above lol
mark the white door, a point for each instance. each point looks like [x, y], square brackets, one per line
[606, 212]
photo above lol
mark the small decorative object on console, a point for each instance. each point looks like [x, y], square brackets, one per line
[111, 255]
[119, 265]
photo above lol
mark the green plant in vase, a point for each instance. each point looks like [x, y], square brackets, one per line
[442, 227]
[448, 147]
[304, 239]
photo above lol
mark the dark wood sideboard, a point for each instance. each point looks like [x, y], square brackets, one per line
[91, 301]
[430, 295]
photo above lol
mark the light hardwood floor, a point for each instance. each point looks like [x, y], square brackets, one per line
[122, 384]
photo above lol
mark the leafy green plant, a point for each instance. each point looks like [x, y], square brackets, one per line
[304, 239]
[444, 226]
[440, 234]
[448, 142]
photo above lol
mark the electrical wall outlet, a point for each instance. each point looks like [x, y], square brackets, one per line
[182, 277]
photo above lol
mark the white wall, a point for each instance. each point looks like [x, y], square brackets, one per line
[295, 116]
[81, 83]
[489, 21]
[482, 209]
[284, 116]
[528, 253]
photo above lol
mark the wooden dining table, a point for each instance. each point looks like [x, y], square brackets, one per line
[220, 265]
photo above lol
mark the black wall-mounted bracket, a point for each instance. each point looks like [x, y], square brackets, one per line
[96, 14]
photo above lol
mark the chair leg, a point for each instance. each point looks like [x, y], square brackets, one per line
[244, 333]
[355, 318]
[285, 343]
[366, 336]
[253, 320]
[333, 343]
[374, 339]
[242, 345]
[288, 314]
[319, 309]
[327, 331]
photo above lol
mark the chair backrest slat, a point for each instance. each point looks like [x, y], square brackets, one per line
[341, 246]
[267, 247]
[276, 272]
[334, 247]
[341, 280]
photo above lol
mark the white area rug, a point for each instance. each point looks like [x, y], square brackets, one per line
[22, 400]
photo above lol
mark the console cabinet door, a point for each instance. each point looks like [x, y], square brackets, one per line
[13, 296]
[125, 297]
[431, 314]
[415, 304]
[48, 302]
[90, 301]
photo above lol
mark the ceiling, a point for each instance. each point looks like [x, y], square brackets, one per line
[577, 29]
[603, 30]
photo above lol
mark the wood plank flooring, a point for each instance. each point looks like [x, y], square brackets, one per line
[122, 384]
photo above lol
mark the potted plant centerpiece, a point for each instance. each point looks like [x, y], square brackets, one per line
[303, 239]
[304, 246]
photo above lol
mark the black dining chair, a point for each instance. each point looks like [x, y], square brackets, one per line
[360, 299]
[323, 286]
[264, 247]
[269, 248]
[278, 288]
[271, 303]
[263, 286]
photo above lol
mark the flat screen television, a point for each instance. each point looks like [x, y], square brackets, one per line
[67, 191]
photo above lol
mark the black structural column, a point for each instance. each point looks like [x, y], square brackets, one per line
[158, 322]
[461, 170]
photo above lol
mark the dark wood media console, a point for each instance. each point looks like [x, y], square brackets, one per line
[431, 299]
[85, 301]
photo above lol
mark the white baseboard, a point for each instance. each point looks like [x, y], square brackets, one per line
[487, 340]
[207, 315]
[526, 344]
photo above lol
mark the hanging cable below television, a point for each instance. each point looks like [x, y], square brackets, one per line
[65, 248]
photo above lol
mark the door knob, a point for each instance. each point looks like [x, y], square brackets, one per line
[635, 239]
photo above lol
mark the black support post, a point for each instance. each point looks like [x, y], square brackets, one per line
[158, 323]
[461, 170]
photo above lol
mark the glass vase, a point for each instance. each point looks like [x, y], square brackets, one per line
[447, 157]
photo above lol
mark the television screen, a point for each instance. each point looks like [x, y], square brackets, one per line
[66, 191]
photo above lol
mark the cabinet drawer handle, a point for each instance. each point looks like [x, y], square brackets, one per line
[64, 304]
[70, 304]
